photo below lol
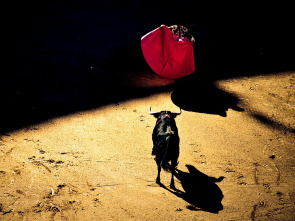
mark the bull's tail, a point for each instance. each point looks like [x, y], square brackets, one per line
[166, 166]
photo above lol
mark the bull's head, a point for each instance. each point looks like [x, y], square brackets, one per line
[163, 113]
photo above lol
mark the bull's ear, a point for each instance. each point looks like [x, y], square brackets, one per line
[156, 115]
[174, 115]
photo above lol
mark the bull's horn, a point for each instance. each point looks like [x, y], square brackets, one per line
[150, 112]
[179, 112]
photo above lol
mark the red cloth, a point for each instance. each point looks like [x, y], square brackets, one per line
[168, 56]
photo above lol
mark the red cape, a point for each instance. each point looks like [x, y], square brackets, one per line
[168, 56]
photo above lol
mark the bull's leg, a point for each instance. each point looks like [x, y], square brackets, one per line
[172, 185]
[173, 166]
[158, 177]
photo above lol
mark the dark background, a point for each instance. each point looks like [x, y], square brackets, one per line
[61, 57]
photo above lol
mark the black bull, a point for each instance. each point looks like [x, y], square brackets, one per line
[166, 143]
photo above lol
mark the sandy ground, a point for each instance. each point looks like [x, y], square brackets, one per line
[97, 164]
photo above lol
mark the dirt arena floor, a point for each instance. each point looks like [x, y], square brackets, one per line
[97, 164]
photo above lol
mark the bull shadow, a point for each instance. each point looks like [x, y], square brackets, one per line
[197, 94]
[200, 190]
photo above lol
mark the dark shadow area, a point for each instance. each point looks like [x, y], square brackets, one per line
[272, 123]
[201, 95]
[61, 58]
[246, 40]
[200, 190]
[65, 57]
